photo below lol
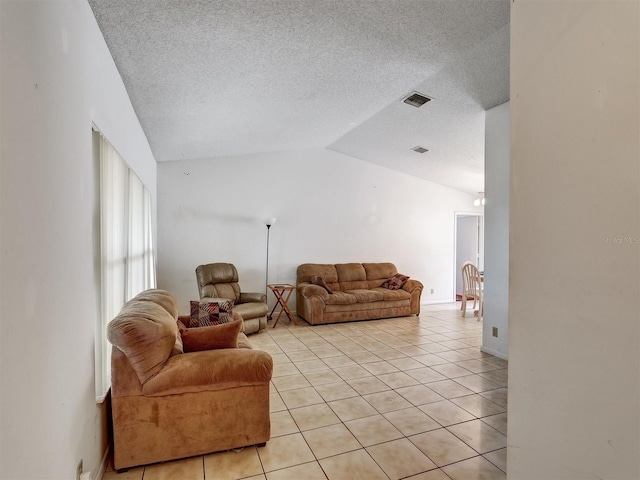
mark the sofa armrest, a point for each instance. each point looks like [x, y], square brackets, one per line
[211, 370]
[248, 297]
[411, 285]
[308, 290]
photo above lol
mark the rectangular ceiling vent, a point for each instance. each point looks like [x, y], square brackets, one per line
[419, 149]
[416, 99]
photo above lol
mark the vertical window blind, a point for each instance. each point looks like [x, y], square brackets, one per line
[127, 254]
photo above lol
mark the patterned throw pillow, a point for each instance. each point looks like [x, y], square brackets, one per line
[205, 314]
[316, 280]
[395, 282]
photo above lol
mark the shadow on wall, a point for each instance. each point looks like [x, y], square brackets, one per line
[182, 213]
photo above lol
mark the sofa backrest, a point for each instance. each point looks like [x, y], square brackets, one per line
[378, 273]
[165, 299]
[347, 276]
[218, 280]
[146, 332]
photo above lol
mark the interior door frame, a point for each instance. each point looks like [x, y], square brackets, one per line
[463, 213]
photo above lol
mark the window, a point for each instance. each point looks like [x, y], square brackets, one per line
[127, 255]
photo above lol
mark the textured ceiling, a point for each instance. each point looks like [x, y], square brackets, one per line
[212, 78]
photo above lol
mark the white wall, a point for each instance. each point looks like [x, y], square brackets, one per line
[574, 329]
[57, 77]
[496, 233]
[331, 208]
[467, 245]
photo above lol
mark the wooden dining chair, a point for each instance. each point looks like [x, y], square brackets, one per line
[471, 288]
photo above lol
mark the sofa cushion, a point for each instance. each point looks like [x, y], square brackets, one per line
[318, 280]
[327, 272]
[341, 298]
[212, 337]
[351, 276]
[395, 282]
[204, 314]
[379, 271]
[392, 294]
[146, 333]
[364, 296]
[351, 272]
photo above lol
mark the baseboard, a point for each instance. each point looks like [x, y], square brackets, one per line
[495, 353]
[437, 302]
[103, 464]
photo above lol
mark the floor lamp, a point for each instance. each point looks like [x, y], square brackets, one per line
[268, 222]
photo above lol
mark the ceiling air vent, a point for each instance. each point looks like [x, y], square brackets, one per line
[419, 149]
[416, 99]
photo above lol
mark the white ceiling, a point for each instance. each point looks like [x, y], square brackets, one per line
[212, 78]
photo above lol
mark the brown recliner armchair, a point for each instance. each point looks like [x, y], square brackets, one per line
[219, 282]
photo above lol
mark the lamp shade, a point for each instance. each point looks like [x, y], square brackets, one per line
[270, 221]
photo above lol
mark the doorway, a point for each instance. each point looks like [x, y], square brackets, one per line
[469, 245]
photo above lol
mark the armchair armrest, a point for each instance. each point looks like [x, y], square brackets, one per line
[308, 290]
[247, 297]
[211, 370]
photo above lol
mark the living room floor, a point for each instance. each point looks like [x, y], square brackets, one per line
[410, 397]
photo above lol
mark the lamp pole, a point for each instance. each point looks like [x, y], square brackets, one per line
[268, 222]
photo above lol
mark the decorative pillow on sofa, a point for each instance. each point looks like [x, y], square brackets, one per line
[212, 337]
[395, 282]
[204, 314]
[316, 280]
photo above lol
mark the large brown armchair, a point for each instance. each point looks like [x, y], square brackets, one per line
[168, 404]
[219, 282]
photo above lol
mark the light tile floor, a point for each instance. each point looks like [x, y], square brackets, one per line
[410, 398]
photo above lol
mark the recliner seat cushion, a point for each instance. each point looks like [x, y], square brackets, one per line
[251, 310]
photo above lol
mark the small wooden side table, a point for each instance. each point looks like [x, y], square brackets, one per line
[282, 292]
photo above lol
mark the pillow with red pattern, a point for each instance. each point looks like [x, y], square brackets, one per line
[204, 314]
[395, 282]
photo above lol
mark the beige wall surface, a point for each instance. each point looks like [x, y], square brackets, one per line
[330, 208]
[496, 232]
[574, 329]
[57, 77]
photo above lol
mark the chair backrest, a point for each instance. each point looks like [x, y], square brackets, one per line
[218, 280]
[470, 279]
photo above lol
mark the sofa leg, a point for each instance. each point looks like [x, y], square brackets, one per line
[122, 470]
[263, 444]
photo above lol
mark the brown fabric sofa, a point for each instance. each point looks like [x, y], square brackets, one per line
[168, 404]
[357, 293]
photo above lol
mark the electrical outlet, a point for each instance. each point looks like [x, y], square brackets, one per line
[79, 470]
[495, 331]
[432, 291]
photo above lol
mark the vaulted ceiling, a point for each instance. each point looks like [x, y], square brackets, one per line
[212, 78]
